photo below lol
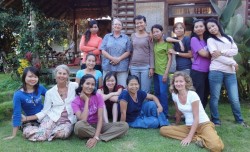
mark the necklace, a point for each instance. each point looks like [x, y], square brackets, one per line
[30, 93]
[63, 92]
[32, 97]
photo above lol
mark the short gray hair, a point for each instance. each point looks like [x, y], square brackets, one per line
[62, 66]
[117, 19]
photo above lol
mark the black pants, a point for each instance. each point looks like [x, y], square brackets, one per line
[201, 84]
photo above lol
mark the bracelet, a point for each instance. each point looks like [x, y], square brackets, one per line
[97, 138]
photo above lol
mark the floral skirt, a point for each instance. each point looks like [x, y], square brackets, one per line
[48, 130]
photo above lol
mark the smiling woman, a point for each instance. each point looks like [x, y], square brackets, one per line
[56, 117]
[198, 127]
[88, 108]
[142, 59]
[27, 99]
[116, 48]
[90, 64]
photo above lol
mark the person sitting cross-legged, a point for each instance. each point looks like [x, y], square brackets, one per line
[88, 108]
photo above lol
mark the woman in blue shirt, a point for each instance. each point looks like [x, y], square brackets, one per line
[137, 112]
[90, 64]
[27, 99]
[116, 48]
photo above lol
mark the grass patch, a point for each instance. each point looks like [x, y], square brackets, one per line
[7, 84]
[6, 96]
[234, 136]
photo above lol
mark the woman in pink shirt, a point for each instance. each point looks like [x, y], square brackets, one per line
[88, 108]
[223, 69]
[90, 43]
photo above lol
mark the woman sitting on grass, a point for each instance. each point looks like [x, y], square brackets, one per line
[88, 108]
[110, 92]
[56, 117]
[90, 64]
[198, 127]
[137, 112]
[27, 99]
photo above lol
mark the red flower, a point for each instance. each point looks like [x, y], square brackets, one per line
[28, 56]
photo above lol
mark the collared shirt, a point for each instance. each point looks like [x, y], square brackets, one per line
[115, 46]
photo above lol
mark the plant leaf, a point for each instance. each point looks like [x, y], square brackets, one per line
[229, 11]
[234, 25]
[216, 8]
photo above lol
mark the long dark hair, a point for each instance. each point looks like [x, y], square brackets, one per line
[82, 81]
[212, 20]
[108, 76]
[33, 70]
[87, 34]
[205, 34]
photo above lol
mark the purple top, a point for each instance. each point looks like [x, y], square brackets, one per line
[200, 63]
[95, 102]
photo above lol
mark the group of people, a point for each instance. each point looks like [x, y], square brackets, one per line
[114, 84]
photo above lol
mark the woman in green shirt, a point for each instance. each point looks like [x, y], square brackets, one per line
[162, 65]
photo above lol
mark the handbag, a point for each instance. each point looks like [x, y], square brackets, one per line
[172, 68]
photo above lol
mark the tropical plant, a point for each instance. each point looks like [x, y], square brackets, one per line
[33, 29]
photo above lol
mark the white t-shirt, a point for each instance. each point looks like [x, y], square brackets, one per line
[187, 108]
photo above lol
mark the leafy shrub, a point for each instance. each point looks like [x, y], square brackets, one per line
[6, 110]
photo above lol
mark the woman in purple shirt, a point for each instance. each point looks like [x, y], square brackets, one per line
[201, 55]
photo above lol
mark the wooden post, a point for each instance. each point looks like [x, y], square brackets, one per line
[74, 31]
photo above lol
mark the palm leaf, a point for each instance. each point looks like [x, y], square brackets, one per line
[229, 11]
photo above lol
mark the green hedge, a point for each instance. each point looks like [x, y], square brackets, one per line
[6, 110]
[6, 96]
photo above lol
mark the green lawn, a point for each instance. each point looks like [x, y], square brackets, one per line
[235, 138]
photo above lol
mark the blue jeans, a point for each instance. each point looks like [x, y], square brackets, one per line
[161, 92]
[216, 78]
[149, 117]
[201, 84]
[143, 74]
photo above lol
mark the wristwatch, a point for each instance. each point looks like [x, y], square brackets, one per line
[177, 53]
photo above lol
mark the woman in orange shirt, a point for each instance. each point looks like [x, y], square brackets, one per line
[90, 44]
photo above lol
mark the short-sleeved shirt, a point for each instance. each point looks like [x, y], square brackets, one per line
[115, 46]
[133, 107]
[183, 63]
[187, 108]
[29, 103]
[98, 74]
[161, 56]
[200, 63]
[95, 102]
[143, 54]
